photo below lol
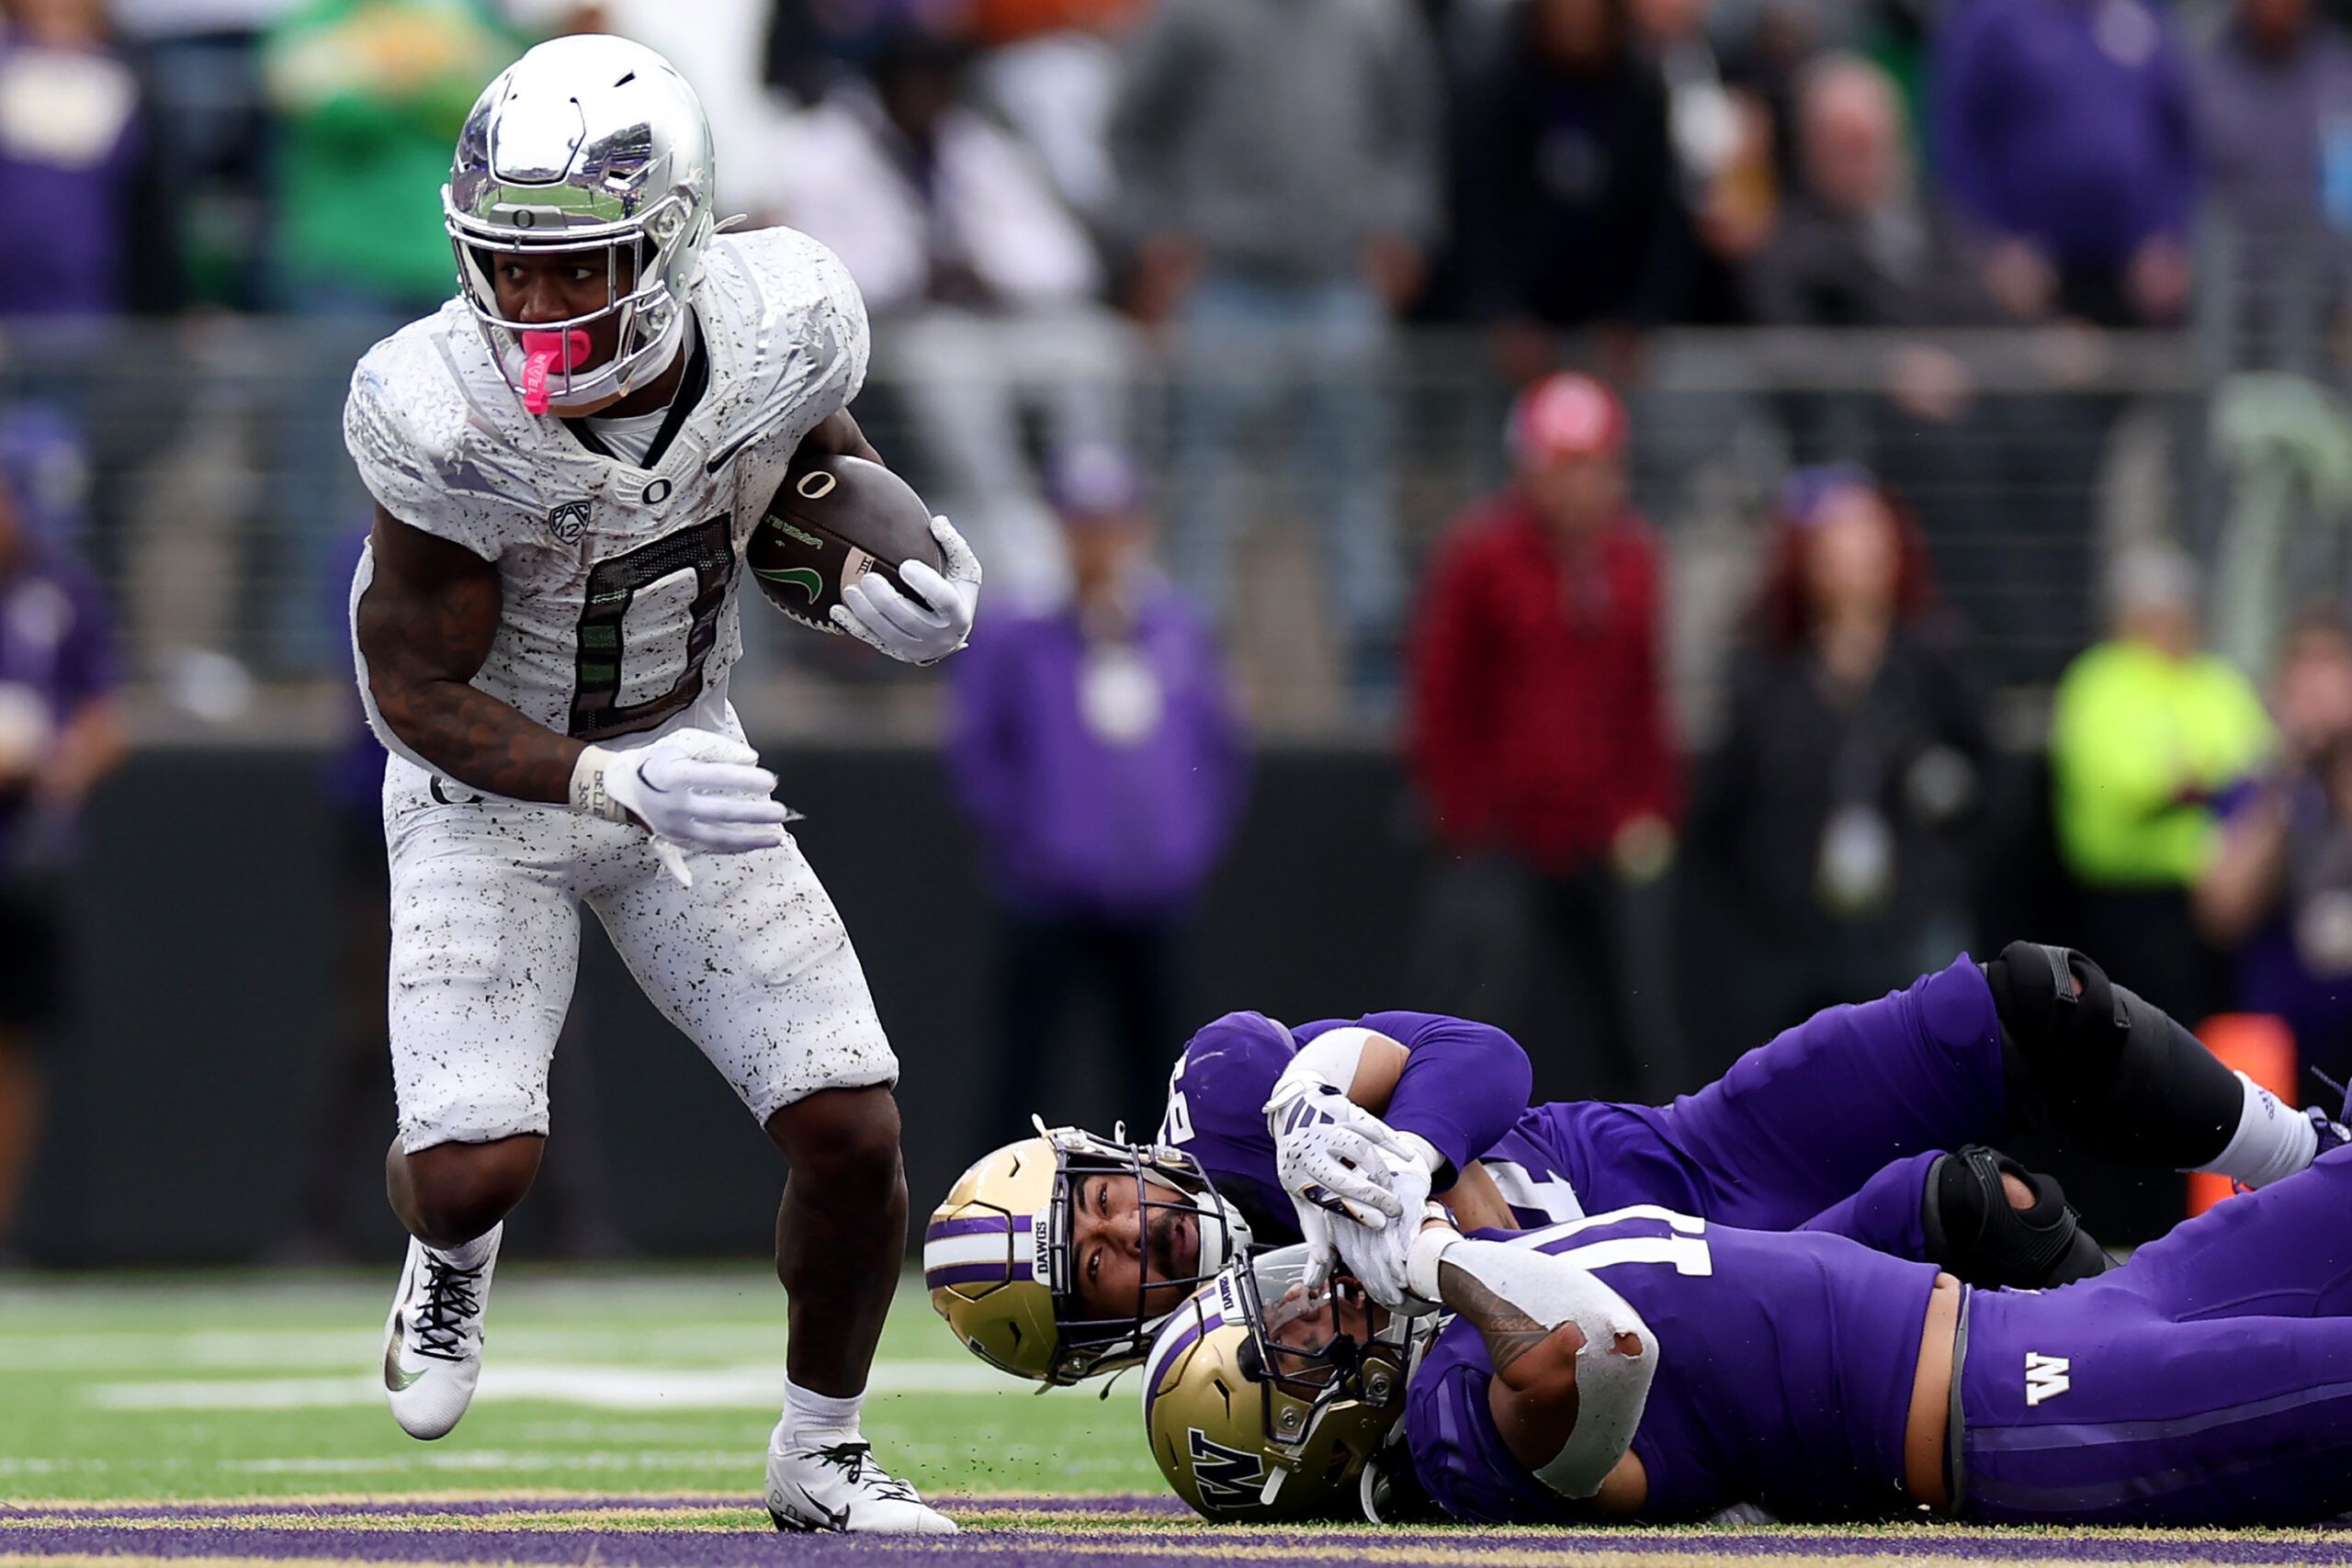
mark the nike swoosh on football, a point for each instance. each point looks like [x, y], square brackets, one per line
[800, 576]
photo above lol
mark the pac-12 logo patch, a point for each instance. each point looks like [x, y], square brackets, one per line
[568, 522]
[1225, 1476]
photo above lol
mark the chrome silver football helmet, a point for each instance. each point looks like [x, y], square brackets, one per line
[589, 144]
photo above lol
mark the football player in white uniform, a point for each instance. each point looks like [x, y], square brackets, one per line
[567, 460]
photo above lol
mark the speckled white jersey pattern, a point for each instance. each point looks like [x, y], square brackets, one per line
[618, 624]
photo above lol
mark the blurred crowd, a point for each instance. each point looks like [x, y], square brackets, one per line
[1247, 336]
[1197, 227]
[1535, 166]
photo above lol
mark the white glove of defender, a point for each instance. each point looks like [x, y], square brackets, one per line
[1328, 1151]
[1315, 1230]
[924, 629]
[1378, 1258]
[692, 790]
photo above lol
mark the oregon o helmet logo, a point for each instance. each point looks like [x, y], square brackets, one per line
[524, 218]
[657, 493]
[816, 485]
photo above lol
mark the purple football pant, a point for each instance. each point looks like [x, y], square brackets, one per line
[2207, 1382]
[1830, 1125]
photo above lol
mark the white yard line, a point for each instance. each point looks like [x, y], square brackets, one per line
[604, 1387]
[208, 1349]
[465, 1459]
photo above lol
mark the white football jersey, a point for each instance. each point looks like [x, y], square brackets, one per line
[617, 581]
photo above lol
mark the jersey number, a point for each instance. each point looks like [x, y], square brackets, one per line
[1685, 1247]
[707, 549]
[1176, 1127]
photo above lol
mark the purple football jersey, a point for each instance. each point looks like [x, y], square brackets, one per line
[1228, 1070]
[1829, 1126]
[1783, 1378]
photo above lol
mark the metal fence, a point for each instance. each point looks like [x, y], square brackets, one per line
[217, 503]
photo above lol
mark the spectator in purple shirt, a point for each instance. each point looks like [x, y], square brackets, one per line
[68, 160]
[2063, 130]
[59, 733]
[1095, 748]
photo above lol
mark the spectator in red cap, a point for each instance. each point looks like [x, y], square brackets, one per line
[1541, 743]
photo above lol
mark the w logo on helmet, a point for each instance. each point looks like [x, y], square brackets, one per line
[1227, 1477]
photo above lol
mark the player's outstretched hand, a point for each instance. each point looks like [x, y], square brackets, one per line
[931, 623]
[1329, 1149]
[692, 790]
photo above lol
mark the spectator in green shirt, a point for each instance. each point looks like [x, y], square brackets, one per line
[2147, 729]
[371, 95]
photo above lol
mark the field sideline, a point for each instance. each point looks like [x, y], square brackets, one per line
[237, 1417]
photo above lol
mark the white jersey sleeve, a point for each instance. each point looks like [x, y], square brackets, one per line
[838, 302]
[414, 430]
[801, 341]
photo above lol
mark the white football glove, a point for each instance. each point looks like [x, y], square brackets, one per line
[1322, 1256]
[1378, 1259]
[1328, 1151]
[922, 629]
[692, 790]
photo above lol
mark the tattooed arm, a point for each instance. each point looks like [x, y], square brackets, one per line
[425, 626]
[1533, 1394]
[1572, 1360]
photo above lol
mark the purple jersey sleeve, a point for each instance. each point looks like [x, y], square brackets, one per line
[1464, 1084]
[1215, 1113]
[1458, 1454]
[1464, 1089]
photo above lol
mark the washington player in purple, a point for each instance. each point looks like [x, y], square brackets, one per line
[2207, 1382]
[1839, 1123]
[1330, 1130]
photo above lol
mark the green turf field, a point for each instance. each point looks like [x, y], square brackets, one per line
[212, 1385]
[236, 1420]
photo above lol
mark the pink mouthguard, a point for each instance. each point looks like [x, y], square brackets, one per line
[542, 350]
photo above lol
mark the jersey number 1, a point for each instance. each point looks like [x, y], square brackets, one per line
[1684, 1245]
[707, 549]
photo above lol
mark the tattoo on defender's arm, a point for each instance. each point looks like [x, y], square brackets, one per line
[424, 636]
[1508, 1332]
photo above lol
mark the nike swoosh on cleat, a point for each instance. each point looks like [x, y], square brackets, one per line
[395, 1379]
[784, 1521]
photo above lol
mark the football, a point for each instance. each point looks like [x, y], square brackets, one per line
[832, 521]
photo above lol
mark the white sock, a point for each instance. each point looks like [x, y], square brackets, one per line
[472, 1255]
[807, 1411]
[2273, 1140]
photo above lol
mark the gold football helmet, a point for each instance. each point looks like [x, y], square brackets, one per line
[996, 1254]
[1264, 1403]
